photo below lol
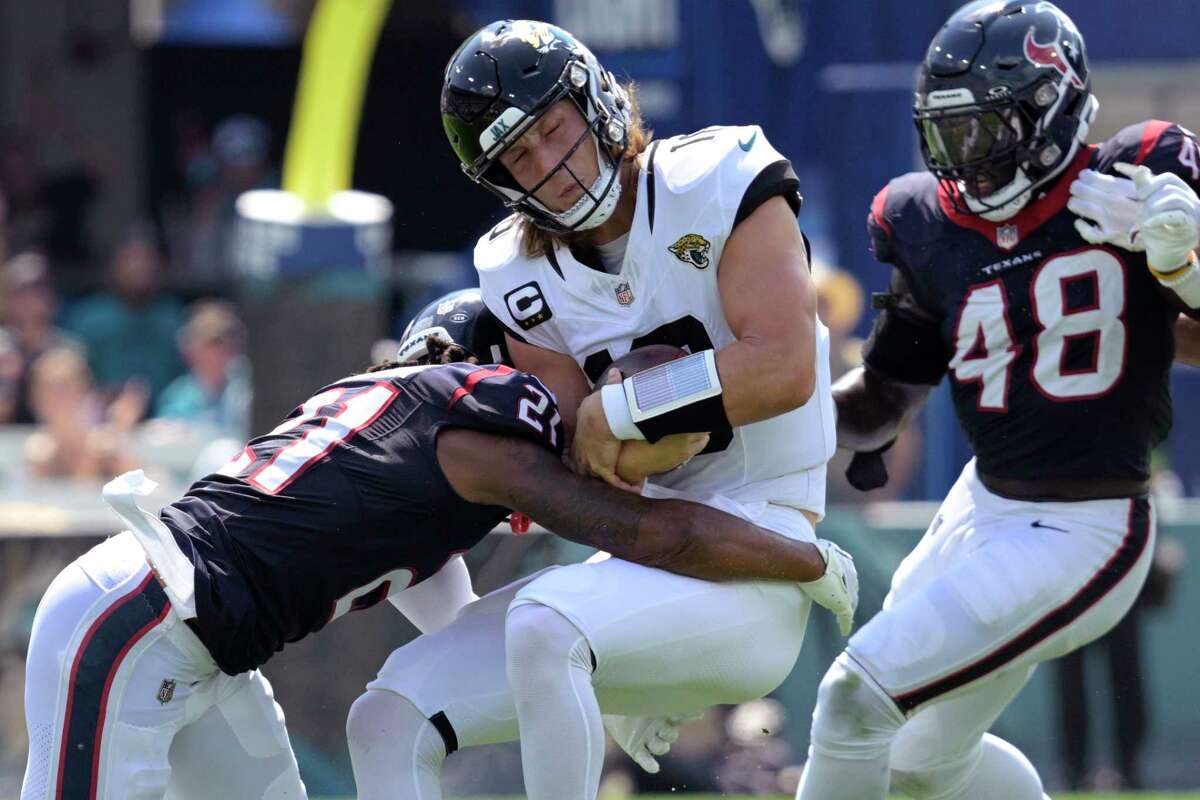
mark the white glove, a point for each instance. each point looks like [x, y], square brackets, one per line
[643, 738]
[837, 589]
[1168, 217]
[1108, 209]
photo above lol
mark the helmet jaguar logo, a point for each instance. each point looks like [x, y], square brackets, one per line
[1049, 55]
[691, 248]
[535, 34]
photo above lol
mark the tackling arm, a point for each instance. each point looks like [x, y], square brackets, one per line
[675, 535]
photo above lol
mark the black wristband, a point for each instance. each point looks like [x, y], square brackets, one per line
[702, 416]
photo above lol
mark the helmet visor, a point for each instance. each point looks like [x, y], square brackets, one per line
[976, 147]
[960, 140]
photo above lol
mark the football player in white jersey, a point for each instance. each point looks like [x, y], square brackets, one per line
[616, 243]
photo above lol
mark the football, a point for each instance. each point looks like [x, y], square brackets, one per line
[638, 459]
[642, 358]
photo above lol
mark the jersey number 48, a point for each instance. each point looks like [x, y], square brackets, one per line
[985, 346]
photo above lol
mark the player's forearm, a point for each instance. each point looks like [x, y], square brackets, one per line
[678, 536]
[762, 379]
[871, 410]
[718, 546]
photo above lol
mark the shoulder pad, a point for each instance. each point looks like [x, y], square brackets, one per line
[498, 246]
[720, 161]
[514, 286]
[683, 162]
[1162, 146]
[905, 210]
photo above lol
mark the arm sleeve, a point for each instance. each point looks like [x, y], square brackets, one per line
[435, 602]
[776, 180]
[906, 342]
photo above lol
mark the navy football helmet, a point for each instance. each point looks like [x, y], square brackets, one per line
[501, 81]
[1003, 102]
[459, 318]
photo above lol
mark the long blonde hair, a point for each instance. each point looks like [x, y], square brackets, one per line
[537, 242]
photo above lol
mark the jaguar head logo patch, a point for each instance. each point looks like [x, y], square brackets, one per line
[692, 248]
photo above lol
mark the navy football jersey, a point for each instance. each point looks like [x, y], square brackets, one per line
[344, 503]
[1058, 350]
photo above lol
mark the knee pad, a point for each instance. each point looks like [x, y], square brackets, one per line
[383, 725]
[537, 637]
[854, 718]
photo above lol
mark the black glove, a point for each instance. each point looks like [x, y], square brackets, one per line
[867, 470]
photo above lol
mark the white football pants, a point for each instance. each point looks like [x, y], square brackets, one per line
[661, 643]
[995, 587]
[123, 702]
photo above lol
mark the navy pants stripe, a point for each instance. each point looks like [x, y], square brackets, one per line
[96, 662]
[1112, 573]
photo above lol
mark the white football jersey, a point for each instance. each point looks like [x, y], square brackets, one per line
[689, 193]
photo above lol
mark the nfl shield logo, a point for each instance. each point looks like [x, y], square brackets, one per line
[1007, 236]
[166, 691]
[624, 294]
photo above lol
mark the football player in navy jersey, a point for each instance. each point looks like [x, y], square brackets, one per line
[1045, 276]
[142, 673]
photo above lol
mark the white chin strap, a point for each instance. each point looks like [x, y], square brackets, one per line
[604, 208]
[1008, 201]
[1003, 204]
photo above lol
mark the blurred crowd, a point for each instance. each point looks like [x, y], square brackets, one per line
[94, 344]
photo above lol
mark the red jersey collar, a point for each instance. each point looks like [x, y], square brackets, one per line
[1009, 233]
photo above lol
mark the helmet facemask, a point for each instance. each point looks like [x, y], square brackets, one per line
[582, 82]
[992, 156]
